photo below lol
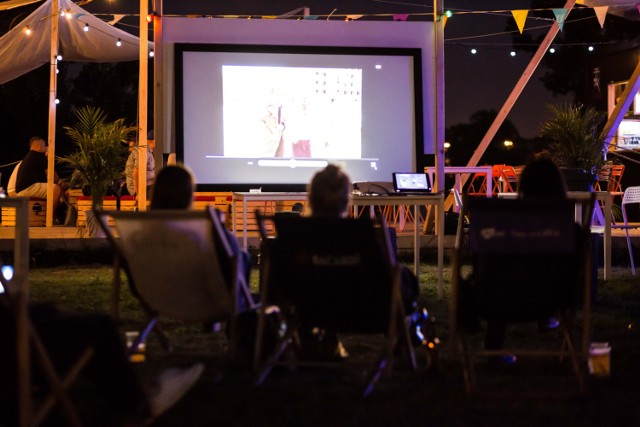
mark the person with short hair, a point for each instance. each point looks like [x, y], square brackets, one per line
[328, 196]
[31, 180]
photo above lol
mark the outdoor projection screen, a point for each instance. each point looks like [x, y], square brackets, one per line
[270, 115]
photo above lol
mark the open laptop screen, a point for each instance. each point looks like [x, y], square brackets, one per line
[411, 182]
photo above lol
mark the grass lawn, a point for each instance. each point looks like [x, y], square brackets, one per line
[326, 396]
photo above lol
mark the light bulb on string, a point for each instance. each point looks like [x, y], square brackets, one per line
[57, 101]
[151, 54]
[119, 43]
[590, 48]
[474, 51]
[552, 50]
[67, 14]
[59, 57]
[27, 31]
[86, 27]
[513, 53]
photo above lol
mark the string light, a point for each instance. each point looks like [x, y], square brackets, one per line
[513, 53]
[474, 51]
[57, 101]
[552, 50]
[590, 48]
[151, 54]
[59, 57]
[119, 43]
[67, 14]
[86, 27]
[27, 31]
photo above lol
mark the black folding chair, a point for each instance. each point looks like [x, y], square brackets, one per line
[335, 274]
[526, 260]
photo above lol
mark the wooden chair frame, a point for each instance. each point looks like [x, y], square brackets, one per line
[218, 293]
[28, 342]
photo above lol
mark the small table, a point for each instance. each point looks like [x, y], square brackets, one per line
[436, 200]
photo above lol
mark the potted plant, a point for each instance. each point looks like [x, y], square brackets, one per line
[101, 151]
[575, 144]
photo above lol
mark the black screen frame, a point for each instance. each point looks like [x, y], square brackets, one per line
[181, 48]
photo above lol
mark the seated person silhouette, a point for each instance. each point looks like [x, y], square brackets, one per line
[328, 196]
[540, 179]
[173, 189]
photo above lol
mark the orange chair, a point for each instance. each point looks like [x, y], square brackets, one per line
[508, 180]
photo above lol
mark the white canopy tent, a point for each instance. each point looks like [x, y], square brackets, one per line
[21, 53]
[61, 29]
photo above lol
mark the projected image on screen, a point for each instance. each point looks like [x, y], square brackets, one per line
[251, 116]
[292, 112]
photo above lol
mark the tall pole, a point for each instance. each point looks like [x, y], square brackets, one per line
[53, 87]
[158, 75]
[142, 106]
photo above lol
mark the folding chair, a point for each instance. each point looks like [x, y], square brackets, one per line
[335, 274]
[631, 195]
[28, 343]
[179, 264]
[529, 261]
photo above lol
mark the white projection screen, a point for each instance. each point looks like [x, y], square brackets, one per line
[270, 115]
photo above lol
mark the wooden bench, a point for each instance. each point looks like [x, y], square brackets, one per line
[127, 203]
[37, 214]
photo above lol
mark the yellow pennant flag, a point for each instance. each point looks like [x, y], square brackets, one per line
[520, 16]
[601, 13]
[580, 2]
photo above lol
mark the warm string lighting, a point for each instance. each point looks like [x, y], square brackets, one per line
[68, 14]
[552, 50]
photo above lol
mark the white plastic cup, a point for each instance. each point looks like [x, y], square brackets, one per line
[599, 359]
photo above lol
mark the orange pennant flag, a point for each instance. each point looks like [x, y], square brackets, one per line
[601, 13]
[444, 21]
[520, 16]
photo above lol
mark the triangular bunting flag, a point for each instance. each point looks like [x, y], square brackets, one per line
[401, 17]
[444, 21]
[520, 16]
[560, 15]
[580, 2]
[116, 19]
[269, 17]
[352, 17]
[601, 13]
[311, 17]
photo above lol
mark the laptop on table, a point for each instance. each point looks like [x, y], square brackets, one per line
[411, 183]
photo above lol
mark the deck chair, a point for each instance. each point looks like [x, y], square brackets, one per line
[529, 260]
[30, 350]
[631, 196]
[336, 274]
[179, 265]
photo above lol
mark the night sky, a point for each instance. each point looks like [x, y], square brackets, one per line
[473, 82]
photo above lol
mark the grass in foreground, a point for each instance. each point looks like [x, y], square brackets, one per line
[328, 396]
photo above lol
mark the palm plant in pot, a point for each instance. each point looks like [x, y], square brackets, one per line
[573, 133]
[101, 151]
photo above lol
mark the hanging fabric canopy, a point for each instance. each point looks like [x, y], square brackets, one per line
[21, 52]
